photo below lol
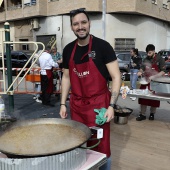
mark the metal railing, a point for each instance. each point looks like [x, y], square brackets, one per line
[3, 64]
[8, 91]
[27, 86]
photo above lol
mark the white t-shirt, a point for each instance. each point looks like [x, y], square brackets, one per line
[46, 62]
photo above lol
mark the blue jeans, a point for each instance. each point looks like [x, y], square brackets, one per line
[133, 78]
[107, 165]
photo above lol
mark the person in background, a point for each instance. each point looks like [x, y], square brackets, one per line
[134, 68]
[57, 57]
[35, 71]
[46, 64]
[168, 59]
[87, 63]
[153, 66]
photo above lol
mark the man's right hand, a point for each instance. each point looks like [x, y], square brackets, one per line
[63, 112]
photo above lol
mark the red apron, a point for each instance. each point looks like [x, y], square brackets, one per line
[50, 81]
[89, 92]
[148, 73]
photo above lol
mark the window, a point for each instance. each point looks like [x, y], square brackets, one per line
[163, 53]
[14, 4]
[29, 2]
[14, 56]
[2, 6]
[122, 44]
[124, 57]
[22, 57]
[24, 46]
[33, 2]
[121, 56]
[47, 40]
[127, 57]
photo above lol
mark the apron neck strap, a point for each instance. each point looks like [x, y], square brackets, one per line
[89, 48]
[154, 58]
[74, 50]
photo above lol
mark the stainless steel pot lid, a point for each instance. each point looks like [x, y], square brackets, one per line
[162, 80]
[41, 137]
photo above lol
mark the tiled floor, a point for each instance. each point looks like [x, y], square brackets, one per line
[141, 145]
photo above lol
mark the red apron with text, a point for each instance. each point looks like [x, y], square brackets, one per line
[89, 92]
[148, 73]
[50, 81]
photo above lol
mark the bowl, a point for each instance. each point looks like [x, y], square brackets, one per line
[143, 81]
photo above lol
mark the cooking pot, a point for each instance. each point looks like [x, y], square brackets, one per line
[120, 120]
[121, 115]
[42, 137]
[160, 85]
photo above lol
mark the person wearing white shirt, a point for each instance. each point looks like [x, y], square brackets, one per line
[46, 64]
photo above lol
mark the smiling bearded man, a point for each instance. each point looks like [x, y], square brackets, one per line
[88, 63]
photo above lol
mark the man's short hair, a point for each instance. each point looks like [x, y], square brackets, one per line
[150, 47]
[73, 13]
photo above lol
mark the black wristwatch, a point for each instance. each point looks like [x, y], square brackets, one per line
[113, 105]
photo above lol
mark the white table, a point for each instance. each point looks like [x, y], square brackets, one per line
[156, 96]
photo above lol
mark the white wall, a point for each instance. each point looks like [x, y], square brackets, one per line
[96, 25]
[50, 25]
[68, 34]
[168, 37]
[144, 29]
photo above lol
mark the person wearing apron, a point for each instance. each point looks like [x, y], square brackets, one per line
[46, 64]
[86, 62]
[153, 66]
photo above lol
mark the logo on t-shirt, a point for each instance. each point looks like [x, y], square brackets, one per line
[81, 74]
[92, 54]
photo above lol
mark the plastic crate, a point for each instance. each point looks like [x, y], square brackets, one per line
[33, 78]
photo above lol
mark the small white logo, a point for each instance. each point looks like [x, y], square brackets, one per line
[92, 54]
[81, 74]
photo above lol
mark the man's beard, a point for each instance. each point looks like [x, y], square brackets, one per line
[151, 56]
[82, 38]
